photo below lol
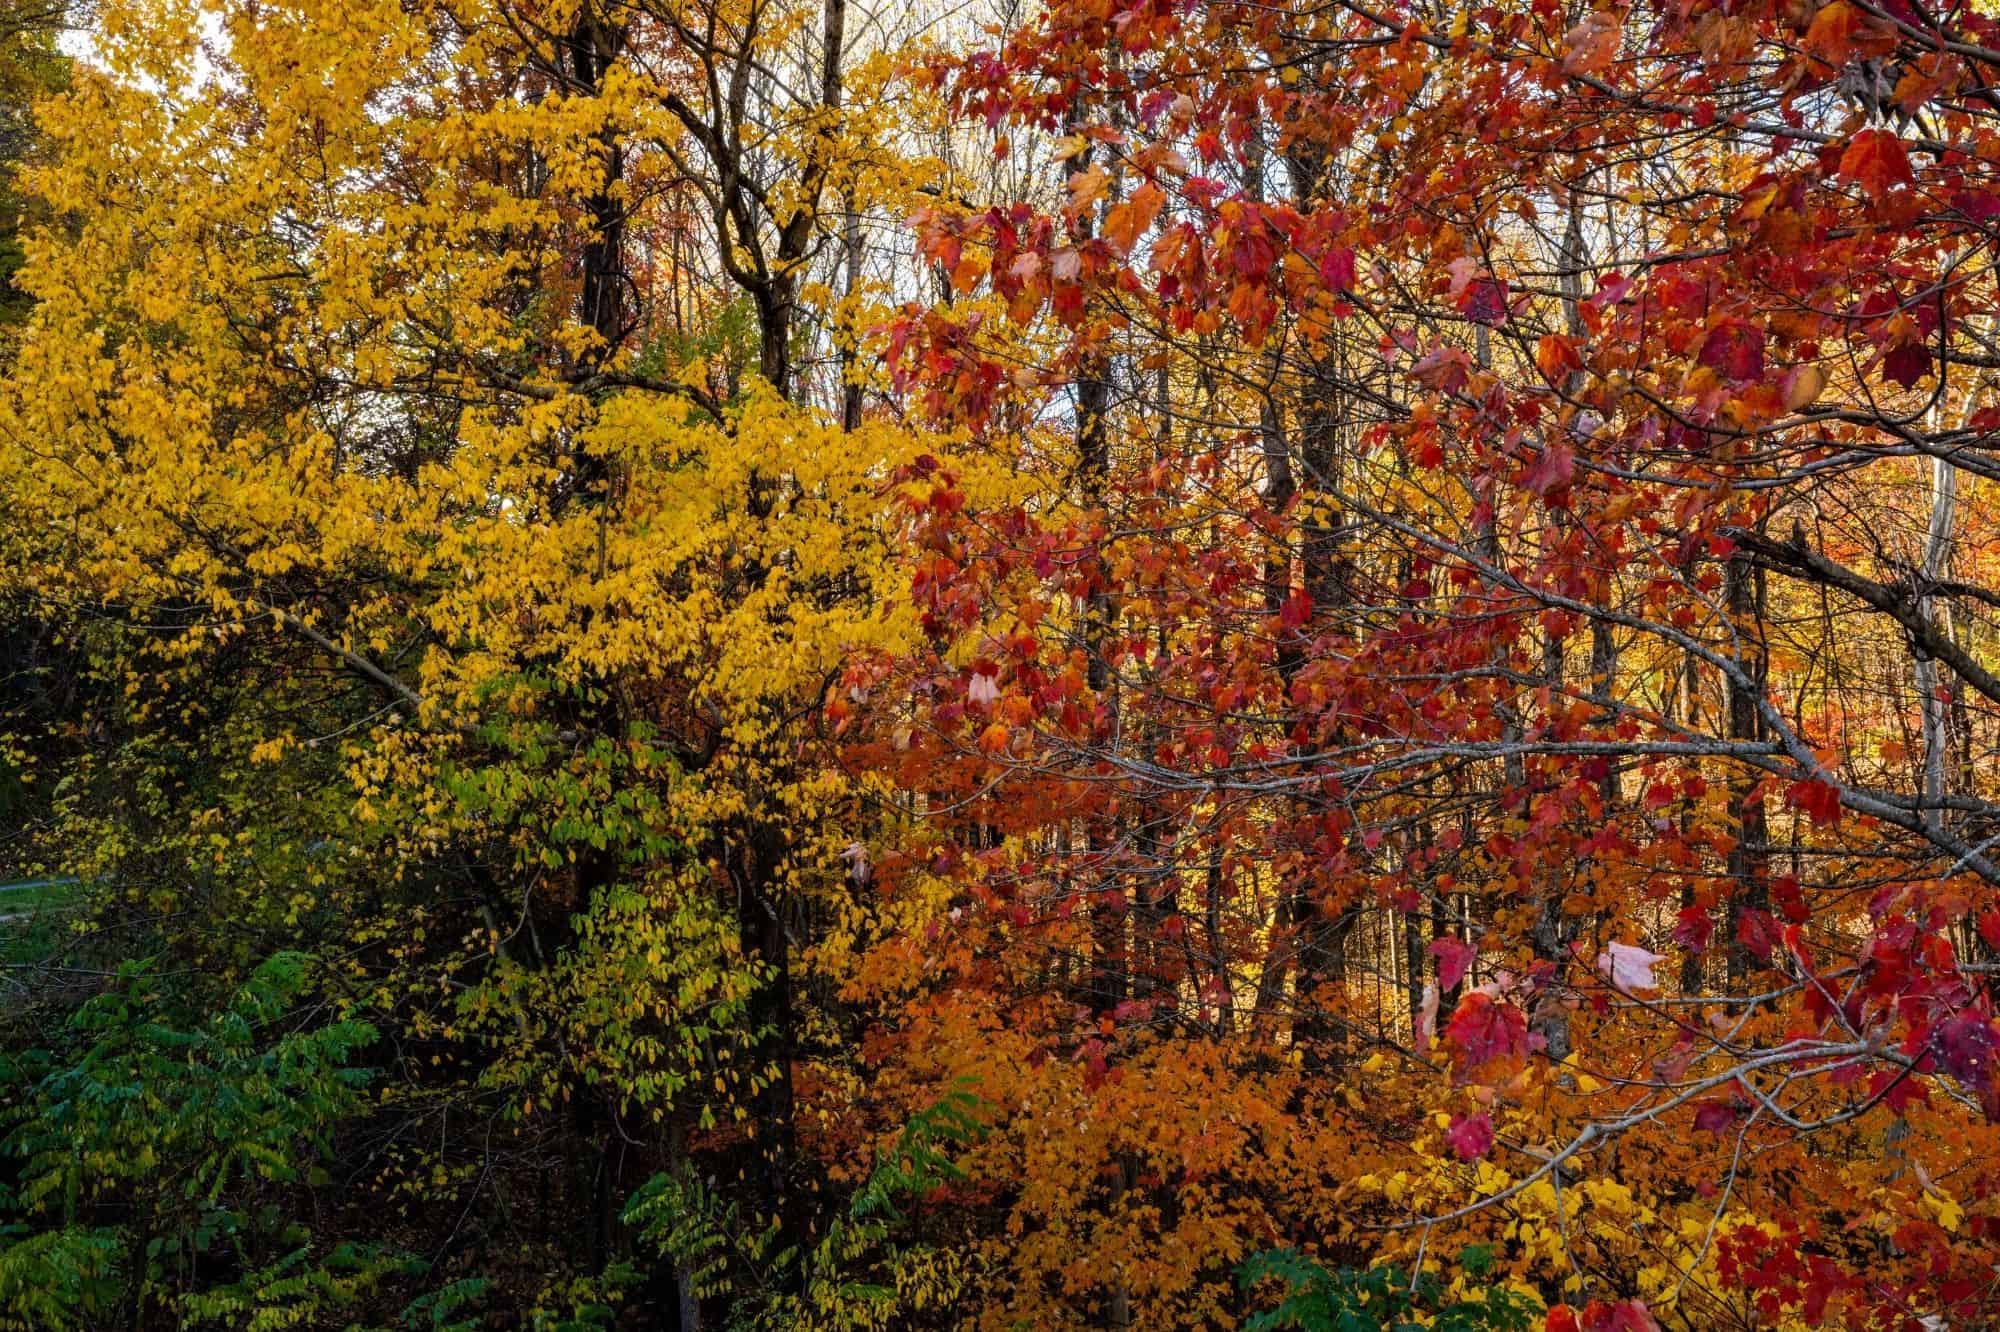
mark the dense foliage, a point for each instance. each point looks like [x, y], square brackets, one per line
[757, 664]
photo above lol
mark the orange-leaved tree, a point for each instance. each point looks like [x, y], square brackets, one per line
[1476, 734]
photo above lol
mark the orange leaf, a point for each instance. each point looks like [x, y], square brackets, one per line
[1128, 221]
[1592, 44]
[1556, 356]
[1086, 187]
[1876, 159]
[1839, 32]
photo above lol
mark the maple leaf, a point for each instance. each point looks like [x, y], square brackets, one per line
[1817, 800]
[1717, 1116]
[1455, 957]
[1444, 369]
[1127, 221]
[1623, 1316]
[1484, 301]
[1553, 470]
[1086, 187]
[967, 273]
[1802, 386]
[982, 689]
[1876, 160]
[1254, 253]
[1629, 967]
[1965, 1046]
[1470, 1136]
[1898, 1090]
[1592, 44]
[1840, 31]
[1979, 205]
[1336, 269]
[1673, 1065]
[1758, 933]
[1693, 927]
[1907, 362]
[1556, 356]
[1735, 349]
[1485, 1031]
[1096, 1064]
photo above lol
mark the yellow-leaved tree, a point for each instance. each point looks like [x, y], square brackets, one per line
[439, 430]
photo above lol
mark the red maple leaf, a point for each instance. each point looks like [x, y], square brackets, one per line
[1553, 470]
[1454, 957]
[1907, 362]
[1624, 1316]
[1444, 369]
[1965, 1047]
[1897, 1089]
[1875, 159]
[1693, 928]
[1817, 800]
[1471, 1136]
[1734, 349]
[1487, 1032]
[1758, 933]
[1717, 1116]
[1484, 301]
[1336, 269]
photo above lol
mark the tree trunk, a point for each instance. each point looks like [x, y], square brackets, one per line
[1747, 865]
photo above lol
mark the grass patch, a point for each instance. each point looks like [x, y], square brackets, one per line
[32, 912]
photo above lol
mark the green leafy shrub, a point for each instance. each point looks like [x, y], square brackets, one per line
[1315, 1298]
[147, 1152]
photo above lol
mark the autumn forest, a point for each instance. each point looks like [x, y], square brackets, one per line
[1086, 664]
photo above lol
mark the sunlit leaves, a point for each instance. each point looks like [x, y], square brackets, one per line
[1877, 161]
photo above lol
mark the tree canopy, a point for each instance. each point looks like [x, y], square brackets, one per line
[1118, 664]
